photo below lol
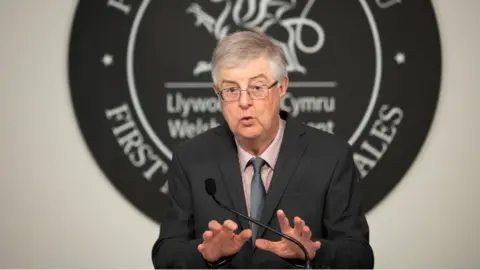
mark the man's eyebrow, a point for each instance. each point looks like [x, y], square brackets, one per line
[261, 75]
[227, 81]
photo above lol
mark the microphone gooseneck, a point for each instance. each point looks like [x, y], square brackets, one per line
[211, 189]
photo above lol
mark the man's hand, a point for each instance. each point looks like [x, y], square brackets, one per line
[221, 241]
[287, 249]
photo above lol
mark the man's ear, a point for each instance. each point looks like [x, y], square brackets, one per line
[283, 86]
[215, 89]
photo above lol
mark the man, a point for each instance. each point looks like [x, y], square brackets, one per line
[294, 178]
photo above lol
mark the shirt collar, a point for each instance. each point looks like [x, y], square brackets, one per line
[270, 155]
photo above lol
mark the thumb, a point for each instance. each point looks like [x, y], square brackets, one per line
[245, 235]
[265, 245]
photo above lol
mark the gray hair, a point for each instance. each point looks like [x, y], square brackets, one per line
[243, 46]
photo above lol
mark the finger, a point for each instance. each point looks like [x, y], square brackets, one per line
[306, 232]
[317, 245]
[207, 236]
[214, 226]
[201, 248]
[229, 224]
[283, 220]
[298, 225]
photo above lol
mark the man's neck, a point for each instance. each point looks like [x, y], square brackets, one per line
[257, 146]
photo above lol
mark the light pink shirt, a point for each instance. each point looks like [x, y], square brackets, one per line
[270, 156]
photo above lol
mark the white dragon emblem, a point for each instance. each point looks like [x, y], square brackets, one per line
[260, 15]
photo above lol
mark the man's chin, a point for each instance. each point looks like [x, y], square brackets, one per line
[249, 133]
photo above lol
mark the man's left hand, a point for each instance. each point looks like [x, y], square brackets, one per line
[287, 249]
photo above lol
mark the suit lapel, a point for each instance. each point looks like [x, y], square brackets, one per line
[231, 174]
[291, 150]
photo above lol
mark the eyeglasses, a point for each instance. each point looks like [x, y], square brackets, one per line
[258, 91]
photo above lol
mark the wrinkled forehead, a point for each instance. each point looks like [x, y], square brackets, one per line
[245, 72]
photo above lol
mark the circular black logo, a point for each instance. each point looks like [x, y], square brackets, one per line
[139, 70]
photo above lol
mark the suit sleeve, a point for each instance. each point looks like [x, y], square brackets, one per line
[176, 246]
[346, 244]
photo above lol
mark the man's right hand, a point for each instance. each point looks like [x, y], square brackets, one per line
[221, 241]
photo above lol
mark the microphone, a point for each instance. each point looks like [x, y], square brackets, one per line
[211, 189]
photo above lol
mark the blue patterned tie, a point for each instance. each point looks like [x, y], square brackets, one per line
[257, 195]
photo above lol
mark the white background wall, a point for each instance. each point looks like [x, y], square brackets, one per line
[58, 211]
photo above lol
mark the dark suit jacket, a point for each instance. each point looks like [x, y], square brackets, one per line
[314, 178]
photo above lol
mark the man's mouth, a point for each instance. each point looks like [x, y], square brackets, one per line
[246, 118]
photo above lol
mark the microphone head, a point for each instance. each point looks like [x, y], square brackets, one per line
[210, 186]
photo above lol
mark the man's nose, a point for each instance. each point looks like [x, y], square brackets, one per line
[244, 99]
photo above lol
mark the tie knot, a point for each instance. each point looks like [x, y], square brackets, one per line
[257, 163]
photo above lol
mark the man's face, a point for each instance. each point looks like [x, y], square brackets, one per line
[247, 117]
